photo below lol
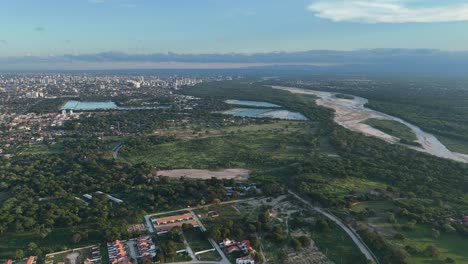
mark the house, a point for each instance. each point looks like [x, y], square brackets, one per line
[227, 242]
[245, 246]
[232, 249]
[245, 260]
[166, 228]
[31, 260]
[117, 253]
[213, 214]
[174, 219]
[146, 247]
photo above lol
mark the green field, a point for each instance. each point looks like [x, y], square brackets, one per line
[238, 147]
[196, 241]
[395, 129]
[450, 244]
[337, 245]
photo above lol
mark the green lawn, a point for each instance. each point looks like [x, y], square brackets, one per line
[450, 245]
[380, 207]
[341, 187]
[196, 241]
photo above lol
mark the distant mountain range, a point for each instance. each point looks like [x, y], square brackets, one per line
[375, 61]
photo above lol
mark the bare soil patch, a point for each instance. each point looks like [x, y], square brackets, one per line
[236, 174]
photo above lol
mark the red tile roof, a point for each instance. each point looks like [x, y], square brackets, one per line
[174, 218]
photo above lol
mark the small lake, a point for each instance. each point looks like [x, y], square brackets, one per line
[87, 106]
[251, 103]
[92, 106]
[265, 113]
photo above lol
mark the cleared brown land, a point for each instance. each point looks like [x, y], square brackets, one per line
[236, 174]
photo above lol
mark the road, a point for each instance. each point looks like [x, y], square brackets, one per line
[131, 246]
[115, 151]
[354, 236]
[148, 221]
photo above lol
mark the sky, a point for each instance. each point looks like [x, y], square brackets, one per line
[57, 27]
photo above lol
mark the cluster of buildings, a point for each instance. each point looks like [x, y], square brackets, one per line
[29, 129]
[57, 85]
[95, 257]
[125, 252]
[118, 253]
[230, 246]
[137, 228]
[242, 190]
[166, 224]
[146, 247]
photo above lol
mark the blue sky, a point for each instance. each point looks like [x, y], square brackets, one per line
[55, 27]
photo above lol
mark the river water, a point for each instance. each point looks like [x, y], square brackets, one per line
[429, 142]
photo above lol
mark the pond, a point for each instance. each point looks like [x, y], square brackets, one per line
[91, 106]
[265, 113]
[251, 103]
[86, 106]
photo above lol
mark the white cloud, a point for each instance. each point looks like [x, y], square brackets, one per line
[96, 1]
[387, 11]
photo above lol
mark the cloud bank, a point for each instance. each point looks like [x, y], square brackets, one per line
[382, 61]
[388, 11]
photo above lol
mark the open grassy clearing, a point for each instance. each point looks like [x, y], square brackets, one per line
[449, 244]
[238, 148]
[336, 245]
[196, 240]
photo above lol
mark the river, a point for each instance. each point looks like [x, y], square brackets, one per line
[351, 113]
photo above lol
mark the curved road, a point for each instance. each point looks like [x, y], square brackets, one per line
[355, 237]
